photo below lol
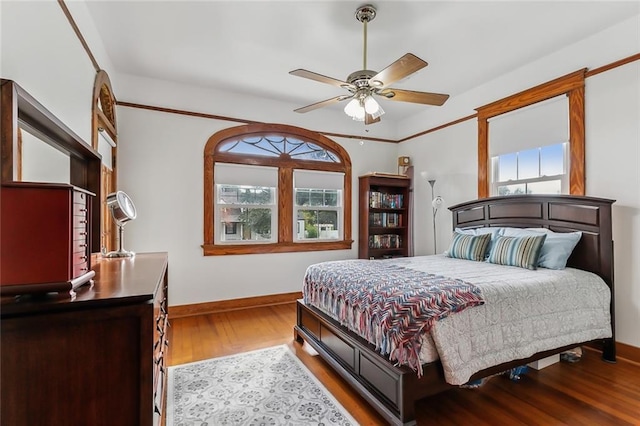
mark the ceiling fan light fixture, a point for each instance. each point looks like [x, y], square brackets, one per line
[370, 105]
[352, 107]
[360, 113]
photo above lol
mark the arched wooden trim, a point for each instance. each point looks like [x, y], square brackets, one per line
[285, 181]
[105, 117]
[573, 86]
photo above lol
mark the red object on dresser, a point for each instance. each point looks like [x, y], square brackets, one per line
[45, 239]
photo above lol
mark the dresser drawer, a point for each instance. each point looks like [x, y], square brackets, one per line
[80, 233]
[79, 257]
[79, 246]
[79, 222]
[80, 210]
[80, 197]
[80, 269]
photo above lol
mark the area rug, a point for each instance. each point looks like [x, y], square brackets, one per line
[264, 387]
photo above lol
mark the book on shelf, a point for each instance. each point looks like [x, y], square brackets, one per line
[385, 220]
[383, 200]
[385, 241]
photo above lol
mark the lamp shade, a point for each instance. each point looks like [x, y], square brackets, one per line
[437, 202]
[352, 107]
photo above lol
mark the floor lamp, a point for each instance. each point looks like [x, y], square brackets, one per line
[436, 203]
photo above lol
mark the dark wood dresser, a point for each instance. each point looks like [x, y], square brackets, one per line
[96, 359]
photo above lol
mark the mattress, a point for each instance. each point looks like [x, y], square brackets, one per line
[524, 312]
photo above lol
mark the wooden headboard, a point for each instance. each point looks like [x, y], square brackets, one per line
[559, 213]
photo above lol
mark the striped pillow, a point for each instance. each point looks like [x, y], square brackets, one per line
[469, 247]
[522, 252]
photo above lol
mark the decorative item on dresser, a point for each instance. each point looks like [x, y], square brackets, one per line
[384, 216]
[96, 359]
[122, 211]
[46, 238]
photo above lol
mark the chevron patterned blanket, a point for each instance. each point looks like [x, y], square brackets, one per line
[386, 304]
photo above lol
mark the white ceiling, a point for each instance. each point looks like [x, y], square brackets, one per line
[250, 46]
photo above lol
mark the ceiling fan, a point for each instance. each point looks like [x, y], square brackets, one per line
[364, 84]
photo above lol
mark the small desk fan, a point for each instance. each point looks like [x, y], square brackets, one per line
[122, 211]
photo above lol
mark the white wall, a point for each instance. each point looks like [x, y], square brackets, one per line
[40, 52]
[612, 108]
[449, 157]
[161, 168]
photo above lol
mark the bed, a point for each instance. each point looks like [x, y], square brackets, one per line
[392, 388]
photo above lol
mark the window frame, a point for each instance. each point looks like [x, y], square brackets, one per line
[571, 85]
[285, 192]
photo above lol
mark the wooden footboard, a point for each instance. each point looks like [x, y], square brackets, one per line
[391, 390]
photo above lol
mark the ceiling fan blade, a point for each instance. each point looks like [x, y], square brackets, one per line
[368, 119]
[398, 70]
[322, 103]
[415, 97]
[322, 78]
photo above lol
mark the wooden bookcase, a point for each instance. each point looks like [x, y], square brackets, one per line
[384, 216]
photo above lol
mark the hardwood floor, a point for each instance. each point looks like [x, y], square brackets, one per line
[590, 392]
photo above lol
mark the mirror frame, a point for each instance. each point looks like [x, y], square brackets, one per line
[18, 108]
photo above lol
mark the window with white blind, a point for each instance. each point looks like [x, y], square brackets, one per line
[274, 188]
[529, 149]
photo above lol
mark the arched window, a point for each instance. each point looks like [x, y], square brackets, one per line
[271, 188]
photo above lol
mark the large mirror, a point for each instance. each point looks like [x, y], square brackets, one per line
[36, 146]
[38, 161]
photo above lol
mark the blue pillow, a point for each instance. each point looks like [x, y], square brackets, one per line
[556, 249]
[522, 252]
[469, 247]
[480, 231]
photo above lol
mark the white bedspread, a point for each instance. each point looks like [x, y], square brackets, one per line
[524, 312]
